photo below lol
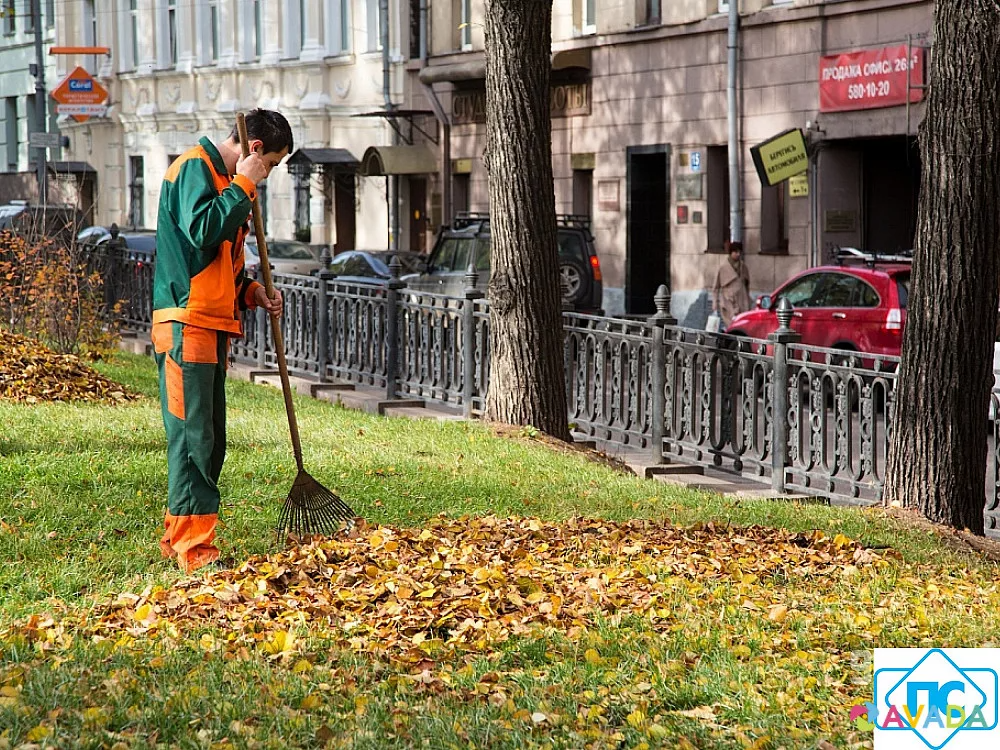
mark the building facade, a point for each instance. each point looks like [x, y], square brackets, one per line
[17, 95]
[640, 105]
[181, 69]
[640, 132]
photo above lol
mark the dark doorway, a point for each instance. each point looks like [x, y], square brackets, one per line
[647, 262]
[344, 211]
[891, 173]
[418, 214]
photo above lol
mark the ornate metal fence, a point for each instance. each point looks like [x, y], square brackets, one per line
[805, 419]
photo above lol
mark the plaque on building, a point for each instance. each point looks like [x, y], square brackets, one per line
[689, 187]
[840, 221]
[608, 195]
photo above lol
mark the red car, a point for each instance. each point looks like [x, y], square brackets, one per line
[856, 308]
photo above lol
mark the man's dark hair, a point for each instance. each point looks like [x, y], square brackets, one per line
[269, 127]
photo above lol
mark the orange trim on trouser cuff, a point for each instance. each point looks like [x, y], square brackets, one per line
[175, 388]
[190, 539]
[250, 298]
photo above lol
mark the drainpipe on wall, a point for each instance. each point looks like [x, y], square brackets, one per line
[445, 176]
[735, 207]
[391, 181]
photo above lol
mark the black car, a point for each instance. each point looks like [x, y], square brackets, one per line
[467, 241]
[372, 266]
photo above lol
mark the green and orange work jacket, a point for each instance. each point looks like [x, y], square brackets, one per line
[201, 226]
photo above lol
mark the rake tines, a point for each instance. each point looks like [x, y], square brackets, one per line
[312, 509]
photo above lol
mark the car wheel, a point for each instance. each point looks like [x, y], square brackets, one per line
[574, 280]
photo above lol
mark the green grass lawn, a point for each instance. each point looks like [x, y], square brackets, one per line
[82, 496]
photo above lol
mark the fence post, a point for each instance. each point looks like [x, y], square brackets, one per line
[659, 321]
[469, 339]
[392, 286]
[781, 338]
[323, 335]
[116, 261]
[262, 338]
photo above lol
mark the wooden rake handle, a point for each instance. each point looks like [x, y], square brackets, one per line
[279, 339]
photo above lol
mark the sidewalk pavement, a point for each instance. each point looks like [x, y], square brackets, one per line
[373, 401]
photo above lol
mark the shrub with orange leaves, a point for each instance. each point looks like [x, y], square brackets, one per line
[54, 292]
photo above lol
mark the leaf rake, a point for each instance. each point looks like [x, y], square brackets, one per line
[310, 508]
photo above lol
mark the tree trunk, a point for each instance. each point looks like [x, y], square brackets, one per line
[527, 382]
[937, 459]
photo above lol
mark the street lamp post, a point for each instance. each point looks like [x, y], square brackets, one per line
[36, 18]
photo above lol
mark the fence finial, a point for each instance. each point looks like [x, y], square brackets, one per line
[662, 301]
[784, 313]
[471, 277]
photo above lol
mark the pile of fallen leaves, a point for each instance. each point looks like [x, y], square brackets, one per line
[31, 373]
[466, 584]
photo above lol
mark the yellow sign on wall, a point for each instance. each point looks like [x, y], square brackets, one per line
[798, 186]
[780, 157]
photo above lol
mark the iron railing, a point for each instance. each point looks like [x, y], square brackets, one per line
[808, 420]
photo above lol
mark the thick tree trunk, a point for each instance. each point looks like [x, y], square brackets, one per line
[527, 383]
[937, 460]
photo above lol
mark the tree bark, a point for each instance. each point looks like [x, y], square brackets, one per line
[527, 382]
[937, 457]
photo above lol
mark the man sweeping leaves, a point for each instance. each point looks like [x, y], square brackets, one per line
[199, 290]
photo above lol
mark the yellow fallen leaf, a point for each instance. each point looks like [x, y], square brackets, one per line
[38, 733]
[301, 666]
[310, 702]
[777, 613]
[592, 657]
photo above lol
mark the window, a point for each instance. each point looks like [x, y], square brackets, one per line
[374, 26]
[9, 17]
[337, 31]
[133, 27]
[29, 15]
[773, 220]
[50, 13]
[258, 30]
[136, 210]
[843, 290]
[415, 29]
[303, 22]
[172, 30]
[802, 292]
[723, 6]
[303, 225]
[465, 31]
[10, 123]
[717, 188]
[213, 30]
[292, 29]
[345, 25]
[262, 202]
[653, 12]
[589, 25]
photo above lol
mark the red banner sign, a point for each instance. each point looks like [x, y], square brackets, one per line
[870, 78]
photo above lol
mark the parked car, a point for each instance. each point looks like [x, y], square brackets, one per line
[55, 221]
[850, 307]
[285, 256]
[467, 241]
[372, 266]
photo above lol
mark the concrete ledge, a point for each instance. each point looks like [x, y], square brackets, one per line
[655, 470]
[317, 388]
[401, 403]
